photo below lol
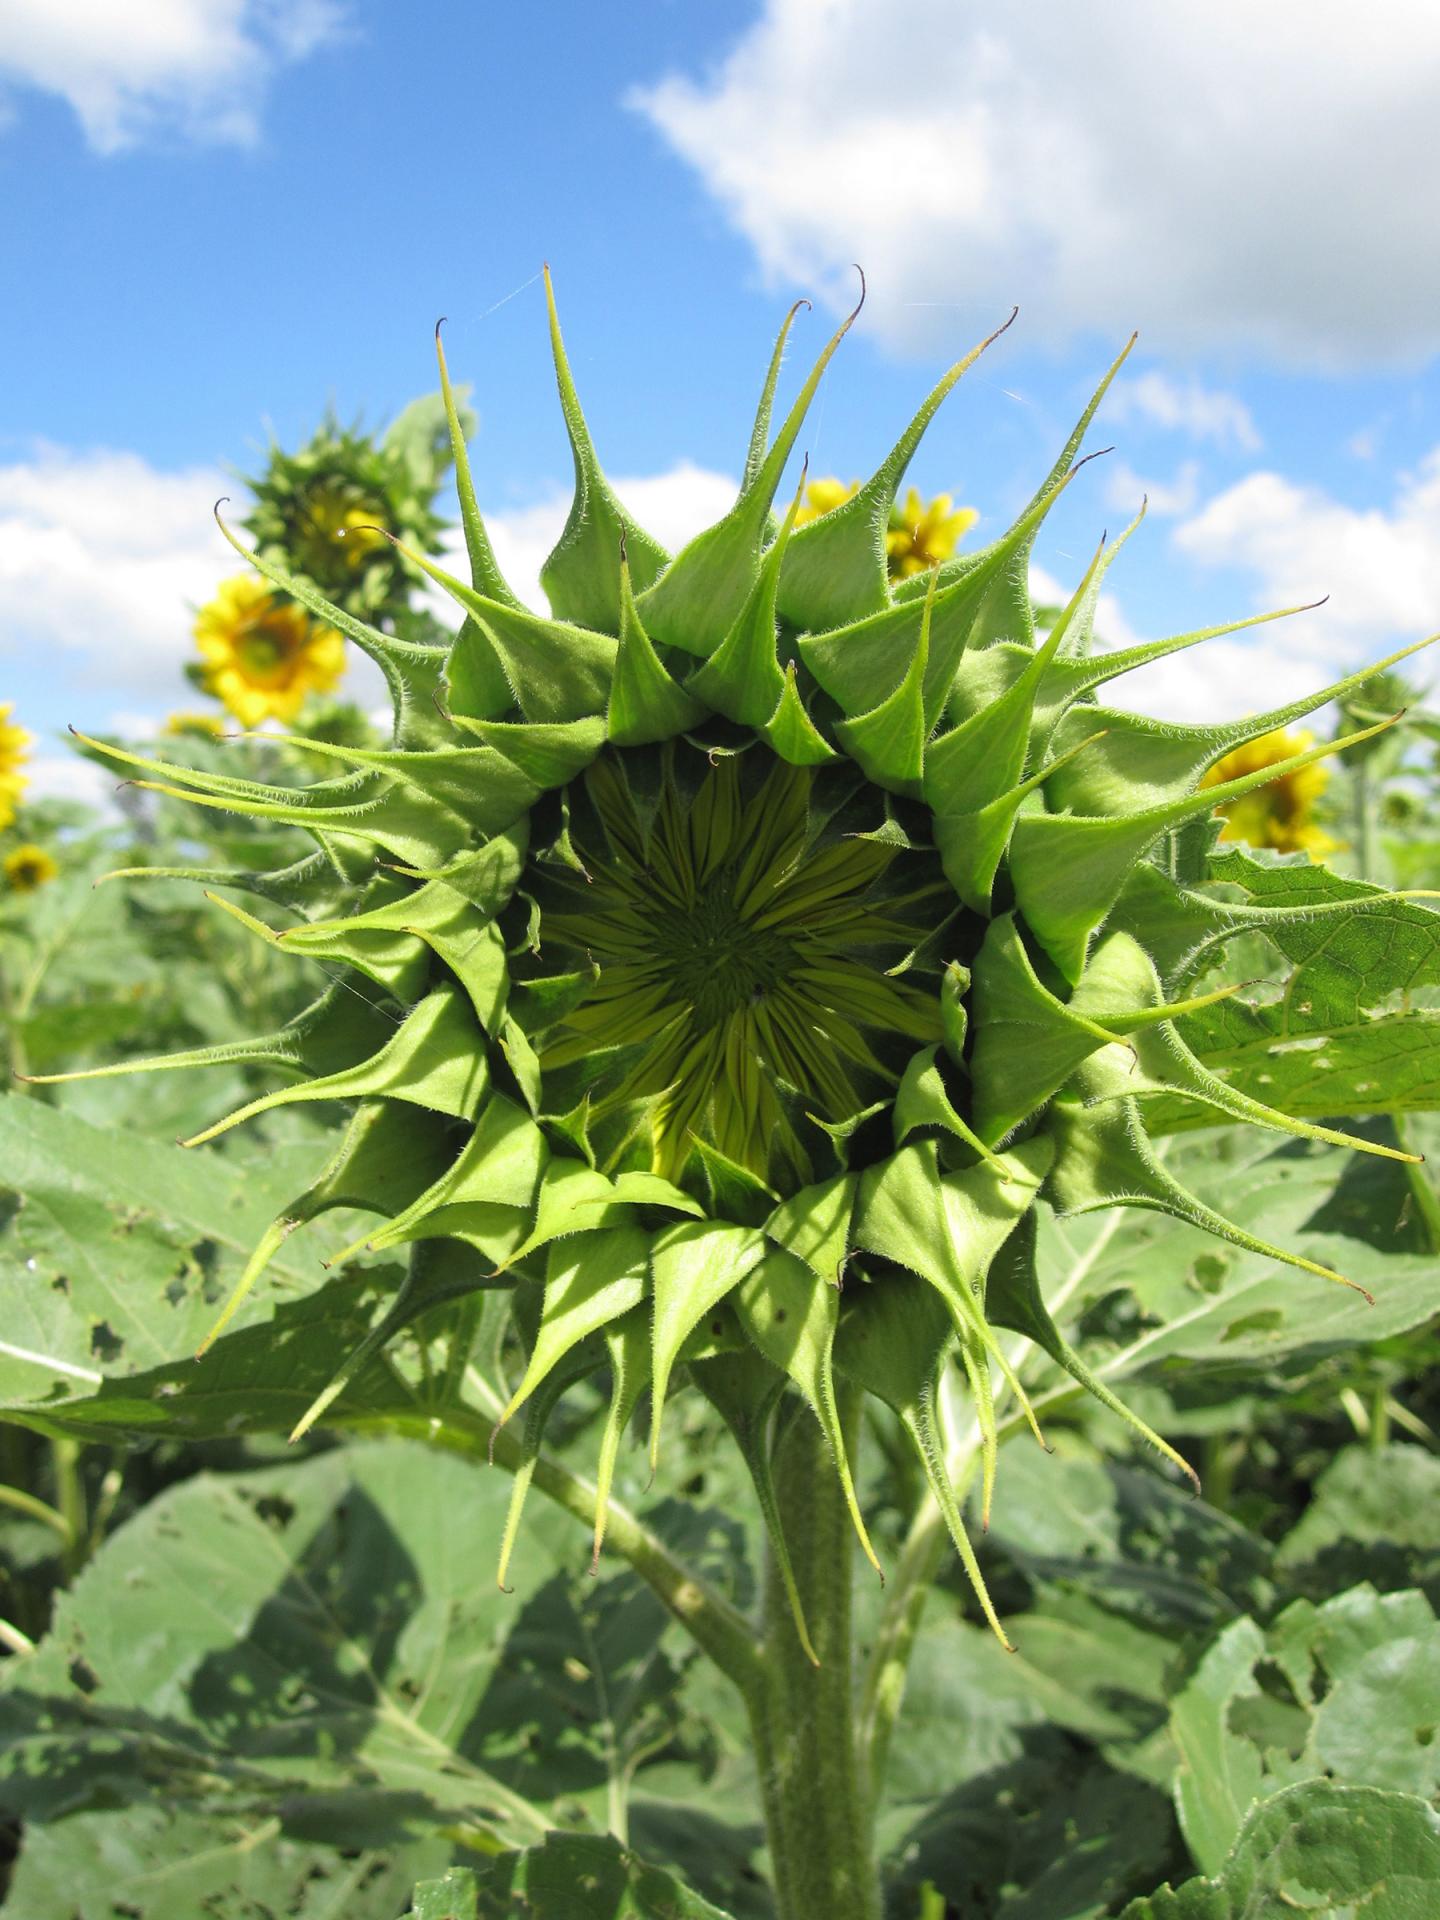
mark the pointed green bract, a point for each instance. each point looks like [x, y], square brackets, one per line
[696, 949]
[582, 576]
[893, 1344]
[837, 567]
[791, 1315]
[1069, 869]
[695, 602]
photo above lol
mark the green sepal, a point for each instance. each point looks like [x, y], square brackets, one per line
[954, 1018]
[697, 600]
[1070, 869]
[735, 1192]
[984, 757]
[1013, 1299]
[742, 677]
[861, 665]
[412, 673]
[483, 787]
[1159, 1062]
[542, 1002]
[395, 960]
[790, 1315]
[498, 1170]
[449, 922]
[646, 704]
[592, 1279]
[893, 1342]
[815, 1224]
[435, 1058]
[554, 671]
[581, 578]
[743, 1388]
[1028, 1042]
[921, 1100]
[575, 1198]
[888, 743]
[485, 573]
[949, 1227]
[760, 432]
[336, 1031]
[387, 1155]
[544, 753]
[972, 845]
[792, 733]
[627, 1342]
[1145, 762]
[586, 1358]
[837, 567]
[426, 1285]
[1007, 613]
[1104, 1159]
[312, 884]
[693, 1266]
[372, 808]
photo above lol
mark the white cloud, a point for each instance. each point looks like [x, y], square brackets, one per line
[1125, 489]
[102, 557]
[673, 506]
[193, 68]
[1218, 175]
[1204, 413]
[1380, 566]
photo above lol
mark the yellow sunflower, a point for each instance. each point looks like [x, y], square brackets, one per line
[29, 867]
[925, 532]
[921, 533]
[1282, 815]
[262, 653]
[15, 745]
[823, 496]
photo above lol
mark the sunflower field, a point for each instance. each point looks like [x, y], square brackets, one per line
[756, 1258]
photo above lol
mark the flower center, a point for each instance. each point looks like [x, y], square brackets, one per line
[744, 933]
[718, 960]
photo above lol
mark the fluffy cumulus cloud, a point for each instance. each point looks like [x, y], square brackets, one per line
[1202, 413]
[1379, 565]
[196, 69]
[1289, 544]
[102, 558]
[1218, 175]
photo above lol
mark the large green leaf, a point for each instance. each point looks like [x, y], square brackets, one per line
[570, 1877]
[1348, 1691]
[1179, 1295]
[1373, 1514]
[156, 1863]
[320, 1652]
[1320, 1849]
[1342, 1034]
[117, 1251]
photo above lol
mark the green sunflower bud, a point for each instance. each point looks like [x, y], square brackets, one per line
[750, 948]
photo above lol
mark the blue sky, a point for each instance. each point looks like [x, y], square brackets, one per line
[222, 230]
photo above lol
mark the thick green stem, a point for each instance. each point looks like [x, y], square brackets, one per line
[802, 1716]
